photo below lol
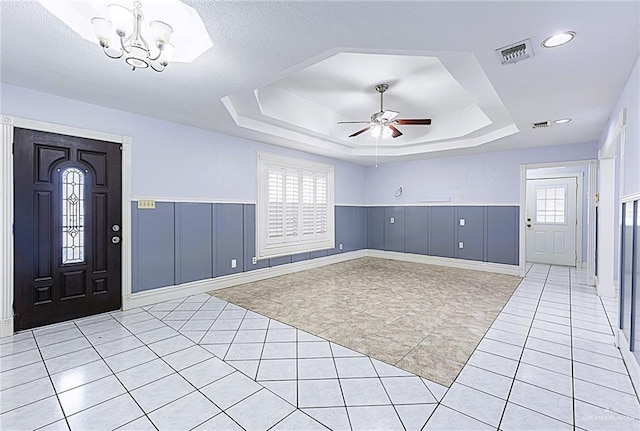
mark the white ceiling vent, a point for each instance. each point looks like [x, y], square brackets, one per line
[540, 125]
[511, 54]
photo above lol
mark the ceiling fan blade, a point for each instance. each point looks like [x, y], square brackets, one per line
[359, 131]
[389, 115]
[395, 132]
[415, 121]
[353, 122]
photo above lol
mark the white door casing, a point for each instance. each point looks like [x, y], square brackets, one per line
[551, 221]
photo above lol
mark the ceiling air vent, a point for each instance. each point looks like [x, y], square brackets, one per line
[541, 125]
[511, 54]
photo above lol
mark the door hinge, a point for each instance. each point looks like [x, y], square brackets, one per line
[13, 148]
[120, 147]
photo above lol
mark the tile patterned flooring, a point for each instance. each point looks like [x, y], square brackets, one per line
[424, 319]
[548, 362]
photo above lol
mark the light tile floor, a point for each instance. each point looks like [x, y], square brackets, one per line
[548, 362]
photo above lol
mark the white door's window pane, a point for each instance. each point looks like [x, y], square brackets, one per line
[550, 205]
[72, 216]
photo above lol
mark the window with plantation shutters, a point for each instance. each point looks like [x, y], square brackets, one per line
[295, 211]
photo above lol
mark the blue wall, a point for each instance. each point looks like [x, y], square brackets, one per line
[181, 242]
[489, 234]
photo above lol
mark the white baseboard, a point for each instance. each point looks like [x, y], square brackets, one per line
[6, 327]
[447, 261]
[630, 361]
[169, 293]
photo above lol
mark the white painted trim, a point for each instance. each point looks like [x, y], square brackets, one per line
[446, 204]
[168, 293]
[630, 361]
[6, 210]
[558, 164]
[591, 223]
[191, 200]
[42, 126]
[630, 198]
[447, 261]
[6, 227]
[522, 255]
[127, 252]
[608, 229]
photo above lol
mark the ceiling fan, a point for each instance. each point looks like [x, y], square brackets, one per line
[383, 123]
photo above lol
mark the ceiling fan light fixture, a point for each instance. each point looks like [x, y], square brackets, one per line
[380, 131]
[559, 39]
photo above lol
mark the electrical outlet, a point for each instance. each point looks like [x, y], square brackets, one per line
[460, 244]
[341, 247]
[461, 222]
[254, 260]
[392, 220]
[234, 263]
[146, 204]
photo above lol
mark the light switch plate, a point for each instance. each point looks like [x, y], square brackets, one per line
[392, 220]
[234, 263]
[460, 244]
[340, 246]
[461, 222]
[146, 204]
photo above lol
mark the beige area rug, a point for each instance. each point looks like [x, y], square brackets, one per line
[425, 319]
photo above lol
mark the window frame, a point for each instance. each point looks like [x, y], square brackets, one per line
[269, 249]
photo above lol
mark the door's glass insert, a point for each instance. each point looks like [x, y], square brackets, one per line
[550, 204]
[72, 215]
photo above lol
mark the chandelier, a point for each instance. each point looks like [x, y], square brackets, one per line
[133, 47]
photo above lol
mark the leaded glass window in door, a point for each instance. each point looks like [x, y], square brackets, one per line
[73, 181]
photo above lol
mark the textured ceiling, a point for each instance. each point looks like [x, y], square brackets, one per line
[258, 43]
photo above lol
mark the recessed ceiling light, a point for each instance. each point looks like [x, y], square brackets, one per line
[559, 39]
[562, 120]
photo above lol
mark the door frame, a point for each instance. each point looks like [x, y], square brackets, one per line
[591, 209]
[8, 124]
[579, 208]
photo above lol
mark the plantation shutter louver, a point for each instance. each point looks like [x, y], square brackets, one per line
[295, 207]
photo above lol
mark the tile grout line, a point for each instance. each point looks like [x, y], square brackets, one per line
[64, 415]
[523, 347]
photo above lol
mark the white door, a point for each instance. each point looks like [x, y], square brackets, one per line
[551, 221]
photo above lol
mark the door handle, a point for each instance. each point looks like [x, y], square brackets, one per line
[115, 239]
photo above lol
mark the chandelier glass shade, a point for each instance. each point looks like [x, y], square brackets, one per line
[126, 25]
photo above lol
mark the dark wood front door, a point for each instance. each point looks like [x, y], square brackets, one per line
[67, 227]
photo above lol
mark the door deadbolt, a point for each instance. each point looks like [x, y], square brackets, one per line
[115, 239]
[115, 228]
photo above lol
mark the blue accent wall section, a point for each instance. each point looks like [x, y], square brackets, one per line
[250, 239]
[442, 232]
[394, 233]
[177, 243]
[228, 238]
[339, 217]
[503, 238]
[472, 234]
[155, 236]
[194, 246]
[375, 227]
[279, 260]
[417, 228]
[353, 225]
